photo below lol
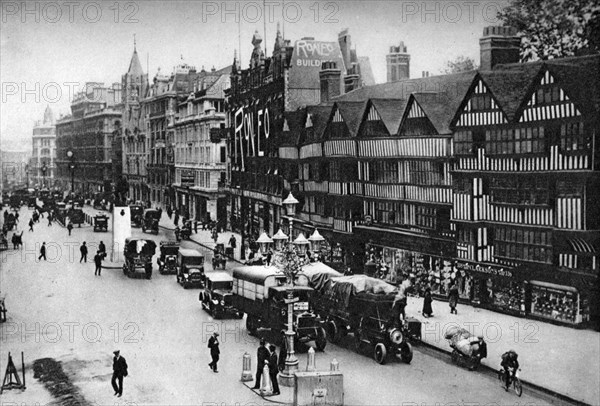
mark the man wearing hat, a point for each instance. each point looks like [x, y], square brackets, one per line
[262, 355]
[213, 344]
[119, 371]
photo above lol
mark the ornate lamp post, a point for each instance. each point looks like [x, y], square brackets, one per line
[70, 155]
[44, 169]
[263, 242]
[316, 239]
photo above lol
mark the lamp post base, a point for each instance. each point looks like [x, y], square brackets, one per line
[286, 378]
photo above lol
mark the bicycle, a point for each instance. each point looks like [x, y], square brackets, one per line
[516, 382]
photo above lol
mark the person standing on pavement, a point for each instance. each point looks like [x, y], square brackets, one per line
[70, 227]
[427, 301]
[49, 219]
[274, 369]
[213, 344]
[84, 251]
[98, 262]
[102, 248]
[43, 252]
[30, 224]
[262, 355]
[232, 242]
[119, 371]
[195, 226]
[453, 298]
[215, 234]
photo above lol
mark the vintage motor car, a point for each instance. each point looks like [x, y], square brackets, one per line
[217, 296]
[76, 216]
[167, 262]
[150, 220]
[100, 222]
[137, 215]
[190, 268]
[261, 292]
[138, 256]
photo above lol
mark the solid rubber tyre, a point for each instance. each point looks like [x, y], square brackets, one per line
[380, 353]
[406, 353]
[321, 340]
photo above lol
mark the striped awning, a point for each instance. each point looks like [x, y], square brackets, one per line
[581, 245]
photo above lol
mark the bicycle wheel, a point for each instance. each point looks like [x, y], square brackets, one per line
[517, 386]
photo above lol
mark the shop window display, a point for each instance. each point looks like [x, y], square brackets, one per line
[503, 295]
[561, 305]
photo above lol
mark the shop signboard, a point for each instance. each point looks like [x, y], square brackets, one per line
[484, 269]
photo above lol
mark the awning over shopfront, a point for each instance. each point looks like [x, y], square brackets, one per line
[554, 286]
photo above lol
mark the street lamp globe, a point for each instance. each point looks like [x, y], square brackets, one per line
[264, 241]
[301, 244]
[69, 154]
[290, 205]
[280, 238]
[316, 239]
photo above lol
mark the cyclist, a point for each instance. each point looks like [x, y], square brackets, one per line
[509, 361]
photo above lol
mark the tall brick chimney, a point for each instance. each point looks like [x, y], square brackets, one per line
[498, 45]
[331, 81]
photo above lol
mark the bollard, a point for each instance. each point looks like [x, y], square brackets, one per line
[247, 368]
[335, 365]
[311, 365]
[266, 387]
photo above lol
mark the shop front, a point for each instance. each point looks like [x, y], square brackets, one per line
[558, 303]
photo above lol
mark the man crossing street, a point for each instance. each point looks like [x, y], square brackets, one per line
[84, 251]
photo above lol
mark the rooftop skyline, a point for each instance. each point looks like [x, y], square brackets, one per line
[49, 53]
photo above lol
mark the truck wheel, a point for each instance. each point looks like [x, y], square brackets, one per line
[406, 353]
[321, 340]
[380, 353]
[333, 332]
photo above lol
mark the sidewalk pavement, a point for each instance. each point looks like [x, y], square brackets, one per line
[561, 359]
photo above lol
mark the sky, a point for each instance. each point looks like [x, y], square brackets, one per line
[49, 50]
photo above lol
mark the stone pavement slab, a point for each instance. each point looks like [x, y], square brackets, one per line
[558, 358]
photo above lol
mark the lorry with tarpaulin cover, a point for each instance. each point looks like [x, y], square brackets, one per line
[261, 292]
[362, 306]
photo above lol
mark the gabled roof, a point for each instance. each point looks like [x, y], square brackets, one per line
[455, 84]
[320, 116]
[509, 87]
[352, 113]
[390, 111]
[439, 108]
[295, 121]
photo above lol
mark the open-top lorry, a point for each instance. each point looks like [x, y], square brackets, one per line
[362, 306]
[261, 292]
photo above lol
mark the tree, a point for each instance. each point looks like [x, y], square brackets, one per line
[554, 28]
[459, 64]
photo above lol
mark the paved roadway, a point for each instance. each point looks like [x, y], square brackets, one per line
[60, 309]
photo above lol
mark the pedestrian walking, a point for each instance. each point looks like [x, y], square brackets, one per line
[42, 252]
[274, 369]
[98, 261]
[215, 234]
[169, 212]
[102, 248]
[16, 217]
[30, 224]
[84, 251]
[70, 227]
[427, 300]
[262, 355]
[213, 344]
[176, 220]
[49, 219]
[195, 226]
[453, 298]
[119, 372]
[232, 242]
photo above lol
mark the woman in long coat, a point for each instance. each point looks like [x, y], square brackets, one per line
[427, 309]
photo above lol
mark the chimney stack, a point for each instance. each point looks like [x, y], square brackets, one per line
[499, 45]
[398, 63]
[331, 81]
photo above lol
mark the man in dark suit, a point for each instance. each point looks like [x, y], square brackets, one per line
[213, 344]
[119, 371]
[98, 261]
[274, 369]
[262, 355]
